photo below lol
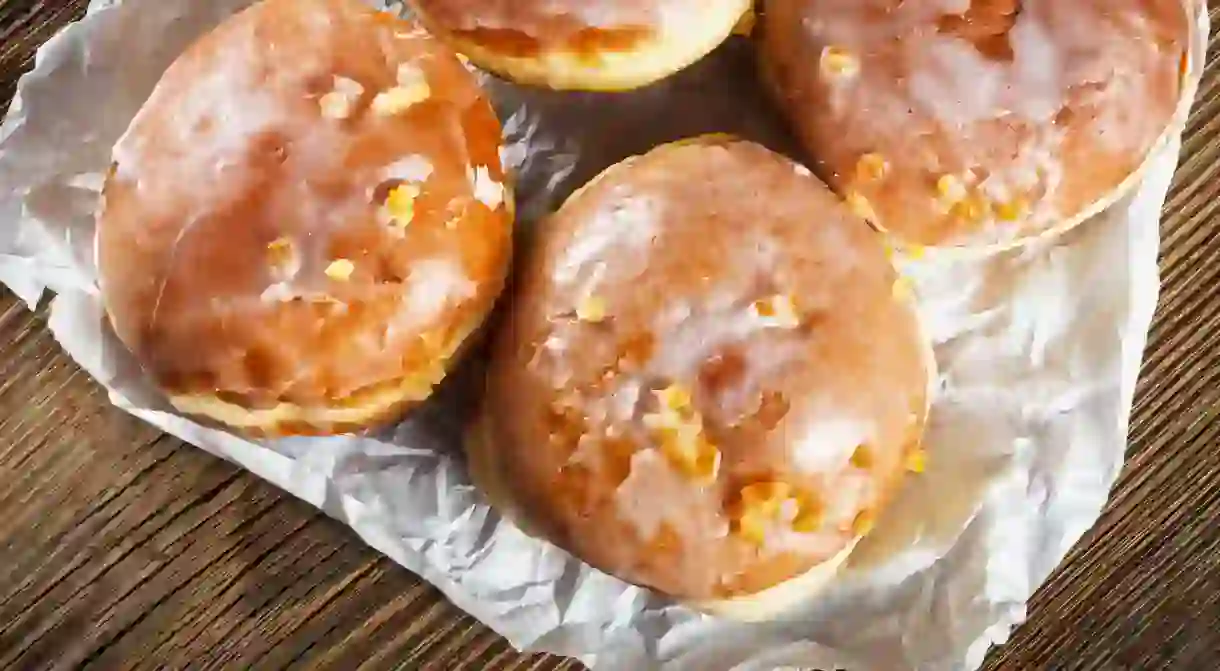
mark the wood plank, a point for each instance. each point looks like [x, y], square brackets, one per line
[151, 553]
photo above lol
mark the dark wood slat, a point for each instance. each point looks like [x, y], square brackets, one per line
[24, 25]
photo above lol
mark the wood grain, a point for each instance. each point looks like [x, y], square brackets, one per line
[123, 548]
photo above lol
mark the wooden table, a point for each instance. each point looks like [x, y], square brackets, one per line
[122, 547]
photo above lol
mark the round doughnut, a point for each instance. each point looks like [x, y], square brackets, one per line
[597, 45]
[306, 220]
[978, 123]
[710, 381]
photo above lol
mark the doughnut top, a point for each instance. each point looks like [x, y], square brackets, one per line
[710, 380]
[549, 24]
[310, 206]
[580, 44]
[977, 122]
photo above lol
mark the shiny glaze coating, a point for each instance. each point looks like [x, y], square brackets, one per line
[977, 123]
[306, 219]
[709, 381]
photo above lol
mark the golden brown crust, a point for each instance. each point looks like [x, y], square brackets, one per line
[305, 219]
[487, 472]
[574, 44]
[980, 125]
[707, 382]
[369, 407]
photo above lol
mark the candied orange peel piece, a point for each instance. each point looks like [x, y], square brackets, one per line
[399, 207]
[778, 311]
[872, 167]
[340, 270]
[280, 252]
[862, 458]
[838, 62]
[341, 101]
[592, 310]
[764, 504]
[675, 398]
[678, 429]
[974, 207]
[412, 89]
[1013, 210]
[951, 189]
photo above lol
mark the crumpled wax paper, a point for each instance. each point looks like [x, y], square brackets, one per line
[1038, 349]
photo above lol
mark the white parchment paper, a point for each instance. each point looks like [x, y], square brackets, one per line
[1039, 352]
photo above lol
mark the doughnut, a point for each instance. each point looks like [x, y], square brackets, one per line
[710, 380]
[306, 220]
[595, 45]
[978, 124]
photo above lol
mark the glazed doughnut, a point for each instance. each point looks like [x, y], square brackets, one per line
[600, 45]
[710, 381]
[306, 220]
[978, 123]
